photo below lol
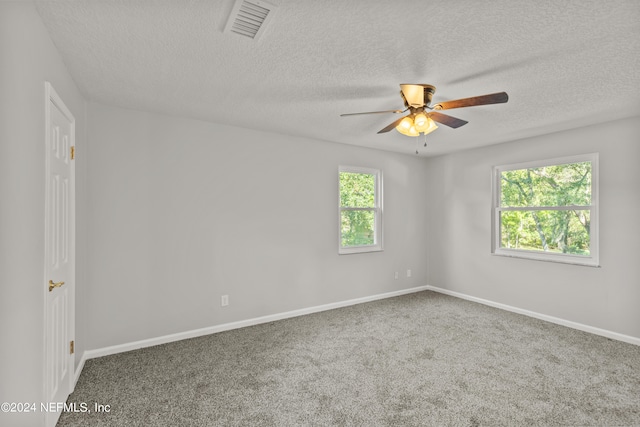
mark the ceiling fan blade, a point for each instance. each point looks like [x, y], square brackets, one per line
[493, 98]
[391, 126]
[446, 120]
[373, 112]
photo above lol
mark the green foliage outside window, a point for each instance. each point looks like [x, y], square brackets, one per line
[565, 227]
[357, 190]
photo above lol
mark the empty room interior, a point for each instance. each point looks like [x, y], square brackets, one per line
[319, 213]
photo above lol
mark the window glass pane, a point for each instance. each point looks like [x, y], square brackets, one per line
[559, 185]
[357, 228]
[560, 231]
[357, 190]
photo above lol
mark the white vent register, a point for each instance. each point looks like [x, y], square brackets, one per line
[249, 18]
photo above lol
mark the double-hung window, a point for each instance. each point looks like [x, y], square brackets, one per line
[547, 210]
[360, 210]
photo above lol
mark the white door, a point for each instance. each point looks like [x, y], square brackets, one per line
[59, 286]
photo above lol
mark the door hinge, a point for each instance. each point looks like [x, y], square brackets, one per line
[71, 347]
[73, 152]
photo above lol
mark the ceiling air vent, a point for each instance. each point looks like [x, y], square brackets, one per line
[249, 18]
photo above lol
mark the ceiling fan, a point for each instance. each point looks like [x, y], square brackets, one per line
[421, 117]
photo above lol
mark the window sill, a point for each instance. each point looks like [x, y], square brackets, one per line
[541, 256]
[359, 249]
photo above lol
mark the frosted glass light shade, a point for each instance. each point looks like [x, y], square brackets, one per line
[428, 127]
[421, 122]
[405, 125]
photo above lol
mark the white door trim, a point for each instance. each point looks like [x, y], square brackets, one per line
[53, 99]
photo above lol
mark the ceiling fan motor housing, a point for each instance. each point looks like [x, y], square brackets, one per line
[417, 95]
[428, 94]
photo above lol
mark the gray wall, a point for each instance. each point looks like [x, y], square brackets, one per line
[27, 59]
[459, 234]
[183, 211]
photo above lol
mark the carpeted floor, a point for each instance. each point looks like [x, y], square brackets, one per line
[422, 359]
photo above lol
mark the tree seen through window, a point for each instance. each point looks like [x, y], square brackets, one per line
[546, 208]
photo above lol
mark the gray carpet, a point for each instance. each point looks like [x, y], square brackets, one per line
[422, 359]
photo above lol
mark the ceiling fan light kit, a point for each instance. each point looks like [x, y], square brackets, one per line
[414, 126]
[417, 99]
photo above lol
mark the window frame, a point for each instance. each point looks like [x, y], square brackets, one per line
[377, 209]
[593, 259]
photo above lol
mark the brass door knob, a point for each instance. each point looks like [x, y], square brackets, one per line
[52, 285]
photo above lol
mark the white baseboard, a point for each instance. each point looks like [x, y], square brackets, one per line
[556, 320]
[78, 370]
[91, 354]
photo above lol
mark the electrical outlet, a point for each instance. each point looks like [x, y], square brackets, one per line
[395, 275]
[408, 273]
[224, 300]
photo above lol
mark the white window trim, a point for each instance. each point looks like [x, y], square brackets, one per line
[593, 260]
[377, 247]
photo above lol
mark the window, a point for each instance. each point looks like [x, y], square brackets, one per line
[360, 209]
[548, 210]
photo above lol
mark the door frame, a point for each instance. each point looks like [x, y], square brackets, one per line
[52, 98]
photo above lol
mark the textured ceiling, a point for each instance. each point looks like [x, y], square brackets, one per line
[564, 64]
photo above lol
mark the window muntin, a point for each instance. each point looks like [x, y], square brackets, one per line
[360, 209]
[547, 210]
